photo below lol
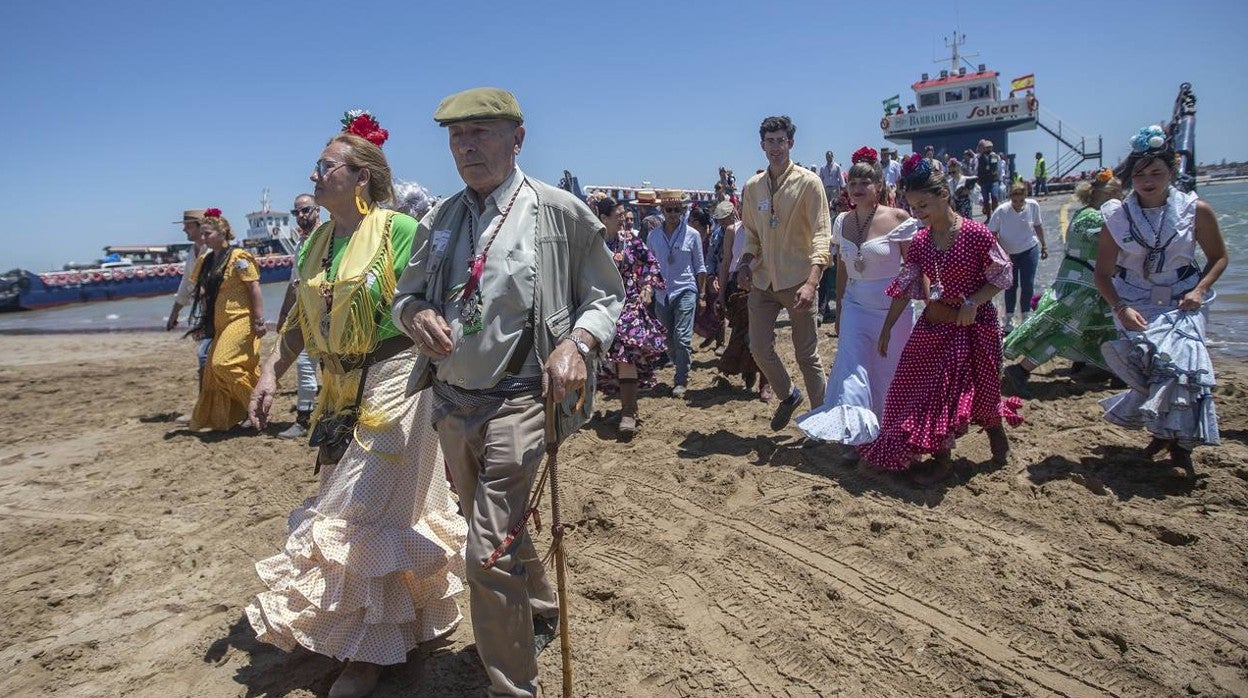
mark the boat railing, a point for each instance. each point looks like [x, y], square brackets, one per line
[1080, 147]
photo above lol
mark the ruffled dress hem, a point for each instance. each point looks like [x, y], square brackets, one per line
[846, 424]
[374, 601]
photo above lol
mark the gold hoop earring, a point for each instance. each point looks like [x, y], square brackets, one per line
[360, 204]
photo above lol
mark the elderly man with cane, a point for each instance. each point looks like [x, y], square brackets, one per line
[510, 296]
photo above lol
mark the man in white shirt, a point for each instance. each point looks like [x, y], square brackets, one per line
[307, 217]
[833, 177]
[892, 173]
[185, 296]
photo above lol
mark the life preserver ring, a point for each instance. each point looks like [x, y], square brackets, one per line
[73, 278]
[884, 124]
[97, 276]
[162, 271]
[1032, 103]
[49, 280]
[140, 273]
[129, 272]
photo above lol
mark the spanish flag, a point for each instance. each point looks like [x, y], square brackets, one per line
[1025, 82]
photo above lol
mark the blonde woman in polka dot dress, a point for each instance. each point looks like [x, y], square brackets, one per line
[948, 376]
[374, 559]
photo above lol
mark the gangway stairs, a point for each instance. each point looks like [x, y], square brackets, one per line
[1079, 148]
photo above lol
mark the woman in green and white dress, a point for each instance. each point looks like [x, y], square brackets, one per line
[1072, 320]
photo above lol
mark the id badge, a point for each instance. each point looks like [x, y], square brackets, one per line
[1160, 295]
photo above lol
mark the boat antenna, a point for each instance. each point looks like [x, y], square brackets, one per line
[264, 200]
[959, 39]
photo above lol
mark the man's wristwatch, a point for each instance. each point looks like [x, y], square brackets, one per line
[581, 347]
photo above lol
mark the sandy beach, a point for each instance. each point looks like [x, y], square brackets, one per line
[709, 556]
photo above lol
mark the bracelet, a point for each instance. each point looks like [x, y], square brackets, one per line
[969, 303]
[1119, 306]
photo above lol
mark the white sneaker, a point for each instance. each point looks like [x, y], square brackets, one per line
[183, 419]
[679, 391]
[295, 431]
[1007, 326]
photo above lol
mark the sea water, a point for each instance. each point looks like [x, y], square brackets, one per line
[1228, 315]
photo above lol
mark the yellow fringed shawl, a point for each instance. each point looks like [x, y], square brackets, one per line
[367, 262]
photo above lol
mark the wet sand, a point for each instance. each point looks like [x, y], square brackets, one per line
[709, 556]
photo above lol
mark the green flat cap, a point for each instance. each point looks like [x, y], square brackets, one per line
[478, 104]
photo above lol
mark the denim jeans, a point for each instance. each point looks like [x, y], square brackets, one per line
[1025, 264]
[306, 400]
[676, 313]
[202, 352]
[827, 288]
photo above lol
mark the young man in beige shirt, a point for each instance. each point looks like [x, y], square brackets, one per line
[788, 235]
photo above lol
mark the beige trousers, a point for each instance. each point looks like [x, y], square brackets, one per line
[765, 306]
[494, 456]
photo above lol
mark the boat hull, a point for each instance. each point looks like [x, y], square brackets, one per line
[30, 291]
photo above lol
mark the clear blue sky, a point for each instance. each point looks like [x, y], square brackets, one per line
[116, 116]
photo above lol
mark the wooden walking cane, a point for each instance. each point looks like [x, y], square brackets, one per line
[556, 530]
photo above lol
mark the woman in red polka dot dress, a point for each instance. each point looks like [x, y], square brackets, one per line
[948, 376]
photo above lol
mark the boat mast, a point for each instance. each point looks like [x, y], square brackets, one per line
[959, 39]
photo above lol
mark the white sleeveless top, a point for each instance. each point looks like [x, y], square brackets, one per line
[881, 256]
[1170, 239]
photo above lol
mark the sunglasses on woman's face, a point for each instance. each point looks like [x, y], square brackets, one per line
[324, 167]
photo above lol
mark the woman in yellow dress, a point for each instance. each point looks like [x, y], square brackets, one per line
[231, 314]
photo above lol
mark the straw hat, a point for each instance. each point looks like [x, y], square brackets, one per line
[192, 215]
[672, 196]
[645, 197]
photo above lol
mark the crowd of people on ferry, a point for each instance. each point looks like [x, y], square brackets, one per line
[443, 336]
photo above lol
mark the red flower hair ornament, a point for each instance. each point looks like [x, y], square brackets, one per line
[865, 154]
[360, 122]
[915, 170]
[212, 213]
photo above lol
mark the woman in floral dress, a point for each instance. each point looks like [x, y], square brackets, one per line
[1072, 320]
[948, 376]
[639, 337]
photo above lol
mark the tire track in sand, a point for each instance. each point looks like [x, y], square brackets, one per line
[881, 590]
[1000, 529]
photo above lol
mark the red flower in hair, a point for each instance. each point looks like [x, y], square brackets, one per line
[912, 163]
[365, 126]
[212, 213]
[865, 154]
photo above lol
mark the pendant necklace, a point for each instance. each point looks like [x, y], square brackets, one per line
[938, 289]
[327, 285]
[671, 250]
[860, 264]
[1154, 252]
[471, 312]
[774, 221]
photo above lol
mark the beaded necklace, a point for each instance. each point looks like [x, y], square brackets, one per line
[472, 311]
[327, 285]
[862, 232]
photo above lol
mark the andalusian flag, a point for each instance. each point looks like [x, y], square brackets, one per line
[892, 104]
[1026, 82]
